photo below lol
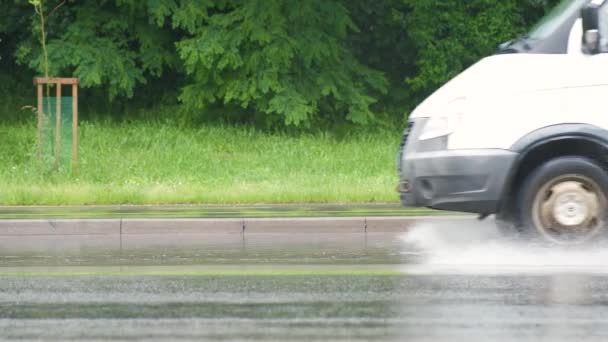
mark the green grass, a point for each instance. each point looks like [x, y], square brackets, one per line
[153, 163]
[219, 273]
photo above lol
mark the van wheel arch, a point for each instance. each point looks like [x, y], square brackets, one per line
[535, 155]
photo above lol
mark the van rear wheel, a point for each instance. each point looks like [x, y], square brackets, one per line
[564, 201]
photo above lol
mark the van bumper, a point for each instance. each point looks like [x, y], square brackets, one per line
[455, 180]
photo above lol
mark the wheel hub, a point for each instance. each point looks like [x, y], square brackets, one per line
[569, 209]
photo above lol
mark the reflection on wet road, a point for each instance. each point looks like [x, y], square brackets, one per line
[327, 248]
[445, 307]
[428, 285]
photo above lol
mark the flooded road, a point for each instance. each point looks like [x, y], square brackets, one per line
[434, 283]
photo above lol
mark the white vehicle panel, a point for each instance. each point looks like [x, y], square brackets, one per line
[509, 96]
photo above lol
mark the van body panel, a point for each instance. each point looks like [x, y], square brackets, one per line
[467, 181]
[508, 96]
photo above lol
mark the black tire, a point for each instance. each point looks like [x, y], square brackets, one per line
[507, 225]
[507, 219]
[554, 185]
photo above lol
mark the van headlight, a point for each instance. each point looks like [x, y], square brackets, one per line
[445, 124]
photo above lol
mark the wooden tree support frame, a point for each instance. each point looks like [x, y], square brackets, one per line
[40, 82]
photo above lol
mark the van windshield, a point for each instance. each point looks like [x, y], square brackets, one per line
[552, 21]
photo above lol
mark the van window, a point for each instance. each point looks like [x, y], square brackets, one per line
[552, 21]
[603, 28]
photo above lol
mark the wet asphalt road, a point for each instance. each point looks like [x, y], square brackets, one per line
[423, 308]
[425, 286]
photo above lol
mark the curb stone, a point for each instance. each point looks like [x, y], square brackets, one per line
[360, 225]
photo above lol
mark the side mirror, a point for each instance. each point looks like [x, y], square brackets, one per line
[591, 40]
[591, 34]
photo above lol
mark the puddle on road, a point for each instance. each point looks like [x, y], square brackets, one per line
[478, 247]
[221, 249]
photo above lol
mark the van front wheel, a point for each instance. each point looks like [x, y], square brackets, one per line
[564, 201]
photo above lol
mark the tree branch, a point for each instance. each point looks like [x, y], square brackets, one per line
[56, 8]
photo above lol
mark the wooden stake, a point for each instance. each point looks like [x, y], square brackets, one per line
[39, 86]
[74, 127]
[40, 82]
[57, 80]
[58, 126]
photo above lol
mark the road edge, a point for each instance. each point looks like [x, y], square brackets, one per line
[135, 226]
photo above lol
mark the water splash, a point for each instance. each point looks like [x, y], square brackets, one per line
[473, 246]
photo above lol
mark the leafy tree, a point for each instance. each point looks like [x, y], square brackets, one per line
[105, 43]
[13, 29]
[284, 58]
[382, 43]
[296, 63]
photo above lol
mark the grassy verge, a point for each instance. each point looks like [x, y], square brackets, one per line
[151, 163]
[247, 273]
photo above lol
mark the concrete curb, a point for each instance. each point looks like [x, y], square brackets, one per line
[41, 239]
[75, 227]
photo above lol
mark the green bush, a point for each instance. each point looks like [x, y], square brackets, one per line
[274, 63]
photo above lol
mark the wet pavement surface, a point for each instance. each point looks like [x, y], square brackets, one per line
[435, 283]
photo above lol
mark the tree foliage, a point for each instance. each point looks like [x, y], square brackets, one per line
[272, 62]
[287, 59]
[104, 43]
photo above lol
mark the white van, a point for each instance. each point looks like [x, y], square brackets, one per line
[522, 134]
